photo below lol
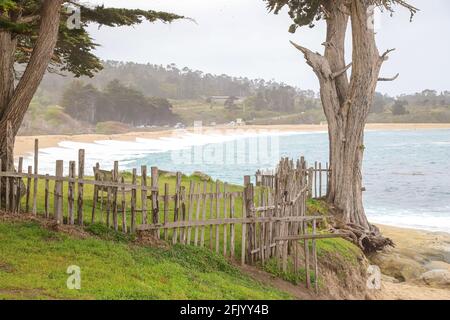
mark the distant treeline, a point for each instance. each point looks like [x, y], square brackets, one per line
[116, 102]
[171, 82]
[138, 81]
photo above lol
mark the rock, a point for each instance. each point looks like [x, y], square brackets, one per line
[398, 266]
[436, 278]
[433, 265]
[386, 278]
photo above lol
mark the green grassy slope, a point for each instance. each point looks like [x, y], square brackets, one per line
[34, 260]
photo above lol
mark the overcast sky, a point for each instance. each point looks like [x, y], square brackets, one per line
[239, 38]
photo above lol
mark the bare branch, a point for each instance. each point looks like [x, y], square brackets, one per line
[385, 55]
[340, 72]
[299, 47]
[389, 79]
[29, 19]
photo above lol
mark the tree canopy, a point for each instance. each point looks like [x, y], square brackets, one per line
[74, 48]
[307, 12]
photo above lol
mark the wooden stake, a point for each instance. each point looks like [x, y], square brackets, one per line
[155, 201]
[166, 209]
[81, 156]
[144, 193]
[47, 196]
[35, 181]
[123, 206]
[71, 193]
[58, 194]
[27, 202]
[133, 202]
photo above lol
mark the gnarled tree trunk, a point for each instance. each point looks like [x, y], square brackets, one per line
[346, 104]
[14, 102]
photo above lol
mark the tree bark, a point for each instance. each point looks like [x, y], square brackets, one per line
[346, 105]
[14, 102]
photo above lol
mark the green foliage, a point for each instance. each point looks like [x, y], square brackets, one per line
[399, 108]
[33, 264]
[307, 12]
[338, 247]
[116, 103]
[74, 49]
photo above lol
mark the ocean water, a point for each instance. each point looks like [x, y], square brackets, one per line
[406, 173]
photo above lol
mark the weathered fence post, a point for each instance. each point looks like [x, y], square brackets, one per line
[19, 185]
[144, 193]
[123, 206]
[176, 211]
[225, 197]
[115, 180]
[58, 193]
[71, 193]
[27, 201]
[249, 204]
[232, 232]
[202, 235]
[155, 201]
[95, 195]
[47, 196]
[81, 155]
[197, 213]
[310, 182]
[133, 201]
[320, 179]
[217, 215]
[166, 209]
[191, 197]
[314, 256]
[36, 170]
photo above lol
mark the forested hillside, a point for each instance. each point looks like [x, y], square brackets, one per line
[126, 95]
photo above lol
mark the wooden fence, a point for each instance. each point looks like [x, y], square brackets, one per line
[254, 224]
[318, 179]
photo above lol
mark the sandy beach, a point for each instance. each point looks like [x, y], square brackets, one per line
[25, 144]
[417, 268]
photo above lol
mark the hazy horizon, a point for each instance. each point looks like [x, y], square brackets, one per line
[240, 38]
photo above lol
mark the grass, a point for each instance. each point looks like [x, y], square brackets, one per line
[164, 178]
[34, 260]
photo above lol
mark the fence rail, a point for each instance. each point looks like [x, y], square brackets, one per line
[253, 224]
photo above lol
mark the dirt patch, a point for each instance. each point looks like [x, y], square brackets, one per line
[25, 294]
[48, 224]
[299, 291]
[6, 267]
[145, 238]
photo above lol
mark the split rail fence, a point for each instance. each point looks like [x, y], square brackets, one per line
[254, 225]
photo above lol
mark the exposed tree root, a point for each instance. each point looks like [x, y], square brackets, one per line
[368, 240]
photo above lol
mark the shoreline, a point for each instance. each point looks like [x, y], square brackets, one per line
[418, 267]
[25, 144]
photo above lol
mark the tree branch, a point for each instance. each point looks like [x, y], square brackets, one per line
[29, 19]
[340, 72]
[389, 79]
[385, 55]
[317, 62]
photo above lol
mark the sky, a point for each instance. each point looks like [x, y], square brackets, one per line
[240, 38]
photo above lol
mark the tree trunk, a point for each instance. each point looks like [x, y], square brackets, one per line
[346, 105]
[14, 102]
